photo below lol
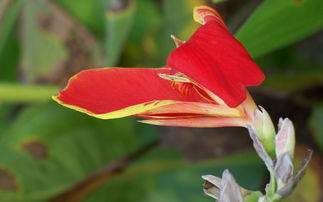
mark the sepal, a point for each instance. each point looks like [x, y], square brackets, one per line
[265, 130]
[285, 139]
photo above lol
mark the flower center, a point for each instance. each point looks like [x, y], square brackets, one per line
[183, 85]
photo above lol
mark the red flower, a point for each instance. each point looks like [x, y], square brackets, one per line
[203, 84]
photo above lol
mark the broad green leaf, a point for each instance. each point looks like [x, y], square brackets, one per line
[141, 48]
[179, 22]
[42, 51]
[277, 23]
[295, 80]
[9, 50]
[87, 12]
[218, 1]
[51, 148]
[290, 70]
[316, 125]
[5, 111]
[179, 17]
[22, 93]
[138, 181]
[165, 176]
[147, 20]
[119, 20]
[184, 184]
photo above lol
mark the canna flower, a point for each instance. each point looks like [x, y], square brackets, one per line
[203, 84]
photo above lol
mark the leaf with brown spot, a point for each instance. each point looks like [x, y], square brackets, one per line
[72, 147]
[54, 45]
[42, 51]
[7, 181]
[35, 148]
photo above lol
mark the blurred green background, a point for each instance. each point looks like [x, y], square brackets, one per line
[50, 153]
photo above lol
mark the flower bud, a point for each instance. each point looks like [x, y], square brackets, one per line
[226, 189]
[285, 139]
[230, 190]
[211, 186]
[284, 170]
[265, 130]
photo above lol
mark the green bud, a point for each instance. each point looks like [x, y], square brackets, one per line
[265, 130]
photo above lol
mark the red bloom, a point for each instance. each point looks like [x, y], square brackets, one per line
[203, 85]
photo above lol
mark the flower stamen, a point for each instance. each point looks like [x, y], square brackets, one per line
[184, 85]
[176, 78]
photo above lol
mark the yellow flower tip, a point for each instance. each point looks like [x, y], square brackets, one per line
[177, 41]
[55, 98]
[201, 12]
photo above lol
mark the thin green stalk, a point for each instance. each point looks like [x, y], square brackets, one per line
[22, 93]
[272, 184]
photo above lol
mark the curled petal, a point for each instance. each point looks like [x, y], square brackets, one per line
[213, 58]
[204, 14]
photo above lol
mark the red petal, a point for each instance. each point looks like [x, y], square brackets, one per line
[216, 60]
[198, 122]
[194, 108]
[129, 90]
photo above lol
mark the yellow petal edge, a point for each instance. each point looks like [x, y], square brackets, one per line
[128, 111]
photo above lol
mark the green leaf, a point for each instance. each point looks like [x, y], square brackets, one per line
[278, 23]
[219, 1]
[88, 12]
[5, 111]
[295, 80]
[178, 20]
[165, 176]
[50, 148]
[9, 50]
[290, 70]
[316, 125]
[141, 46]
[148, 20]
[42, 51]
[12, 92]
[119, 20]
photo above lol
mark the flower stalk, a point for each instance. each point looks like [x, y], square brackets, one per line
[281, 168]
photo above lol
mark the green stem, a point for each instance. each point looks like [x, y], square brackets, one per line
[276, 198]
[12, 92]
[272, 184]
